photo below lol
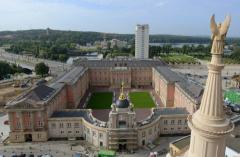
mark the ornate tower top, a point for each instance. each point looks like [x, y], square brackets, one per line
[122, 101]
[122, 95]
[209, 124]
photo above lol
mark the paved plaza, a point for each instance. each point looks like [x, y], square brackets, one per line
[69, 148]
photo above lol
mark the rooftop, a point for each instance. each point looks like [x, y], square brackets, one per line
[85, 114]
[40, 93]
[182, 142]
[193, 89]
[119, 63]
[168, 74]
[72, 76]
[161, 112]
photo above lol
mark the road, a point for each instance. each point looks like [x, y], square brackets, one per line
[29, 62]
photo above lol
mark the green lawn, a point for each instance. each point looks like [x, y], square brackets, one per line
[179, 59]
[141, 99]
[100, 100]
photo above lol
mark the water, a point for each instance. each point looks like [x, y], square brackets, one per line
[178, 45]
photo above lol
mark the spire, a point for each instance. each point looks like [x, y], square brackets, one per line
[209, 124]
[122, 95]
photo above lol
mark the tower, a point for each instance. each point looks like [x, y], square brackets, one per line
[122, 125]
[209, 125]
[142, 41]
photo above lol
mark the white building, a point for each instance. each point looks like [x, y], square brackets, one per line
[142, 41]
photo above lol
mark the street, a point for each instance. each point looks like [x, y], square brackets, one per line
[56, 68]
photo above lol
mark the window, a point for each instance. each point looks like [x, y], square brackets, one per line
[172, 128]
[100, 135]
[165, 122]
[69, 132]
[62, 132]
[28, 114]
[143, 134]
[68, 125]
[53, 125]
[77, 132]
[17, 137]
[76, 125]
[93, 133]
[18, 125]
[186, 121]
[39, 135]
[165, 129]
[179, 121]
[61, 125]
[150, 132]
[101, 143]
[40, 124]
[29, 124]
[172, 122]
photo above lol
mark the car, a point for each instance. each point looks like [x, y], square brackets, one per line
[236, 108]
[77, 155]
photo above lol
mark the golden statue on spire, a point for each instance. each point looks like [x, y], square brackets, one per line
[122, 95]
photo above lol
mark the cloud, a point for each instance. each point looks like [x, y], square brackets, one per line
[161, 3]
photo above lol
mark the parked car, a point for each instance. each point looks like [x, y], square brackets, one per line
[77, 155]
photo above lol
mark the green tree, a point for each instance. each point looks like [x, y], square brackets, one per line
[41, 69]
[5, 69]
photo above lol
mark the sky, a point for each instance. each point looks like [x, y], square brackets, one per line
[177, 17]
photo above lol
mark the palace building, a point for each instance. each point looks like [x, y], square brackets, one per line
[53, 111]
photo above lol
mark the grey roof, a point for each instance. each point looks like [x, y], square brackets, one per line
[71, 76]
[168, 74]
[182, 142]
[70, 114]
[119, 63]
[171, 111]
[40, 93]
[163, 111]
[193, 89]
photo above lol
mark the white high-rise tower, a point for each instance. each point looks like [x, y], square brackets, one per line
[209, 125]
[142, 41]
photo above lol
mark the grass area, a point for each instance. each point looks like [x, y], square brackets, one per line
[178, 59]
[141, 99]
[233, 96]
[100, 100]
[226, 59]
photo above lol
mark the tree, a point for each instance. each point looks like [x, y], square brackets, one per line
[41, 69]
[5, 69]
